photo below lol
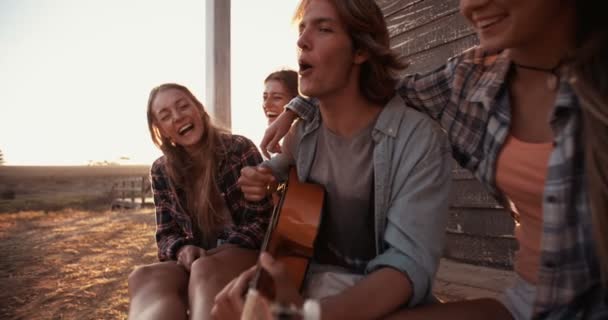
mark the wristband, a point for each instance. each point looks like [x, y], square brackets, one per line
[311, 310]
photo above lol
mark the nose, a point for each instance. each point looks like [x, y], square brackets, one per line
[303, 40]
[176, 116]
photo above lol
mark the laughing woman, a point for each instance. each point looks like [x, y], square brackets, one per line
[206, 232]
[279, 88]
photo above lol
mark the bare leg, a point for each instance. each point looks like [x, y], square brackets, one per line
[158, 291]
[478, 309]
[210, 274]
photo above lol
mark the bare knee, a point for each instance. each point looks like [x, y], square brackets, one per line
[205, 269]
[158, 291]
[222, 266]
[164, 275]
[142, 274]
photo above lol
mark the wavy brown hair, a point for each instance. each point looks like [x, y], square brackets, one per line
[287, 77]
[591, 72]
[195, 174]
[365, 24]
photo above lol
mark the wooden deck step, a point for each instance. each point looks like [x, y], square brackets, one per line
[458, 281]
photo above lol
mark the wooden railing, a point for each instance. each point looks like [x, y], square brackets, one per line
[131, 193]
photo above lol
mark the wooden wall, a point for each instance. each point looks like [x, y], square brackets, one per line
[426, 33]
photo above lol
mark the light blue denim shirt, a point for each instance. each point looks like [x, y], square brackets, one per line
[412, 166]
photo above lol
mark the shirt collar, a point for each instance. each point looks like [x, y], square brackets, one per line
[494, 68]
[390, 118]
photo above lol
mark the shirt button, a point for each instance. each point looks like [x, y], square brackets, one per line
[551, 199]
[549, 264]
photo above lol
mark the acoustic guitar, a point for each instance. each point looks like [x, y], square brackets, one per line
[290, 239]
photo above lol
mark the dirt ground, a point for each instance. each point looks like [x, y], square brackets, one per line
[58, 263]
[71, 264]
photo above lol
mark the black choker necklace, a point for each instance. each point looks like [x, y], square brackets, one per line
[553, 79]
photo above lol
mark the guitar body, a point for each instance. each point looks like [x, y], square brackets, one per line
[293, 230]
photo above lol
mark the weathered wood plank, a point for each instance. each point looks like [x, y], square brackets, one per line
[428, 60]
[469, 282]
[482, 222]
[420, 14]
[480, 250]
[390, 7]
[471, 194]
[447, 29]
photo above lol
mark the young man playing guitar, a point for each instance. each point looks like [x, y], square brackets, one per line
[385, 168]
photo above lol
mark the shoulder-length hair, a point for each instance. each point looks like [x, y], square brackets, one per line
[591, 72]
[195, 174]
[365, 24]
[287, 77]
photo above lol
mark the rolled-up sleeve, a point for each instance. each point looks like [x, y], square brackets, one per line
[417, 212]
[303, 107]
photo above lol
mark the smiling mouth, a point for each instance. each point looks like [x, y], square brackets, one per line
[185, 129]
[486, 23]
[271, 115]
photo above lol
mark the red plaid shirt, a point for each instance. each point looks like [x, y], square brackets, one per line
[174, 227]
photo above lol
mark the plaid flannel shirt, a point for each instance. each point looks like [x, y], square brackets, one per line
[468, 96]
[174, 227]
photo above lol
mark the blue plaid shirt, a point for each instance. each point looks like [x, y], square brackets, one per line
[468, 96]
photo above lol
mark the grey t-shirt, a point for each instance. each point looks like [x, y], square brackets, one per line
[344, 166]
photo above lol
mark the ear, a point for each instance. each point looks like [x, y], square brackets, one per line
[360, 56]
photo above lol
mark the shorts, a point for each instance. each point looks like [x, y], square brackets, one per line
[519, 299]
[324, 280]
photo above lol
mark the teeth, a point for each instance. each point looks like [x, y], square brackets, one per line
[271, 114]
[487, 22]
[184, 128]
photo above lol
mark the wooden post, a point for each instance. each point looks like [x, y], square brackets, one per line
[122, 192]
[143, 191]
[133, 191]
[218, 61]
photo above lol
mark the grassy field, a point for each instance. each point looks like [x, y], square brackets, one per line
[24, 188]
[64, 254]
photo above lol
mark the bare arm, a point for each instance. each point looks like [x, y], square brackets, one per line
[347, 305]
[354, 303]
[275, 132]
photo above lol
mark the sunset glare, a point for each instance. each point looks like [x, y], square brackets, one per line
[75, 74]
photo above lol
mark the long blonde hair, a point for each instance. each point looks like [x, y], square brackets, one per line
[196, 175]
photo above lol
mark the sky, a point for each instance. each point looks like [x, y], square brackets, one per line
[75, 74]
